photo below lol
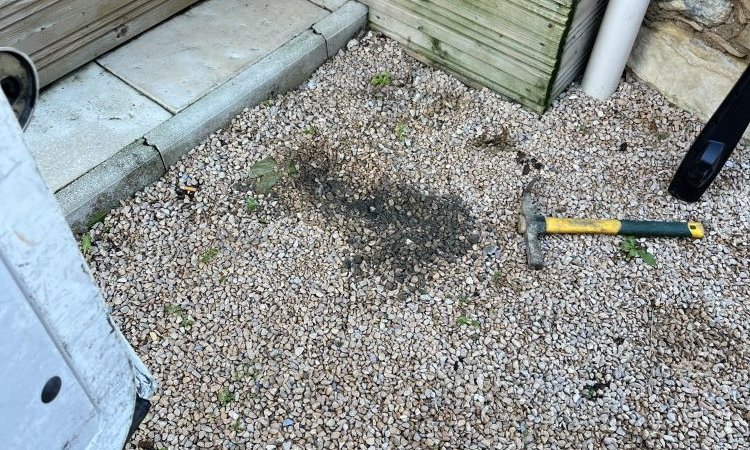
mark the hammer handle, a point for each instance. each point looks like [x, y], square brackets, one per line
[637, 228]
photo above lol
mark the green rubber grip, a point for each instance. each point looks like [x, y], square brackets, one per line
[648, 228]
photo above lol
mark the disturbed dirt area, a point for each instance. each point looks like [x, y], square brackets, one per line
[378, 296]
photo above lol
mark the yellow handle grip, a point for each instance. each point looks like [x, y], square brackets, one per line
[581, 226]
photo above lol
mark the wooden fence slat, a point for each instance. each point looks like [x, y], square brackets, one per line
[528, 50]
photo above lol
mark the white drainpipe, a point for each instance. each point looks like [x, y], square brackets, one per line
[612, 47]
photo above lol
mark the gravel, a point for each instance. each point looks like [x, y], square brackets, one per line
[379, 298]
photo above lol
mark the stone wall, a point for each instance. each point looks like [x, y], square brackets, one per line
[693, 51]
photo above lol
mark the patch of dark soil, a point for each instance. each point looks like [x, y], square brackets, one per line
[395, 231]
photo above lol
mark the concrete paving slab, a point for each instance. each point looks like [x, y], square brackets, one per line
[85, 118]
[331, 5]
[278, 72]
[342, 25]
[183, 59]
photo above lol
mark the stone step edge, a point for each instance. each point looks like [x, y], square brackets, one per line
[143, 162]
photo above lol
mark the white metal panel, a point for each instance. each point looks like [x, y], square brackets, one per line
[65, 307]
[30, 360]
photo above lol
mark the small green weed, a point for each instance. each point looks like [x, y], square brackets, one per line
[662, 135]
[247, 371]
[209, 254]
[237, 426]
[268, 172]
[222, 279]
[401, 131]
[311, 130]
[595, 390]
[463, 301]
[381, 79]
[463, 320]
[173, 309]
[85, 244]
[225, 397]
[267, 102]
[179, 311]
[98, 216]
[633, 249]
[251, 203]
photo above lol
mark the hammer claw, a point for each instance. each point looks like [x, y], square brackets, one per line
[530, 223]
[534, 250]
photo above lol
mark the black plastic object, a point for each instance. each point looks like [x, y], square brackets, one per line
[139, 413]
[714, 144]
[19, 83]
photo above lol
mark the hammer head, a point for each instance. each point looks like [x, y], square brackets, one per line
[531, 225]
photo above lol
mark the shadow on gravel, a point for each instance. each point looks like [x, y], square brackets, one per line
[688, 335]
[395, 231]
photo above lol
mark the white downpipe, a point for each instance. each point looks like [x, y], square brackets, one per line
[612, 47]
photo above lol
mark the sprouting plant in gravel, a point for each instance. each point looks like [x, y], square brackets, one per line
[463, 320]
[497, 278]
[463, 301]
[268, 172]
[225, 397]
[251, 203]
[401, 131]
[86, 244]
[633, 249]
[247, 371]
[179, 311]
[222, 279]
[311, 130]
[381, 79]
[594, 390]
[173, 309]
[209, 254]
[98, 216]
[237, 425]
[662, 135]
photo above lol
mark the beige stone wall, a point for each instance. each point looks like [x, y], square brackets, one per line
[693, 51]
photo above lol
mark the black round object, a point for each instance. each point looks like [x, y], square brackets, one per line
[51, 389]
[19, 83]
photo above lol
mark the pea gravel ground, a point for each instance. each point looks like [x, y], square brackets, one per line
[379, 298]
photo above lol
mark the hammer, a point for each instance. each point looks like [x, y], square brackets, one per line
[532, 223]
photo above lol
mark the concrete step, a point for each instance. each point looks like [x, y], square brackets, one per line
[112, 127]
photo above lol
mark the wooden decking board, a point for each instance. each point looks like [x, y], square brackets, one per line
[83, 35]
[61, 35]
[459, 62]
[527, 10]
[431, 27]
[528, 50]
[466, 19]
[103, 43]
[517, 26]
[54, 23]
[14, 11]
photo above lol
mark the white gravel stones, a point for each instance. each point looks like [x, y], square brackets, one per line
[380, 299]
